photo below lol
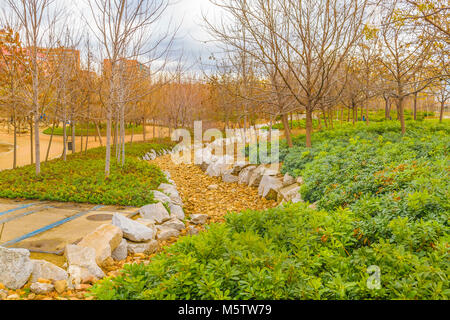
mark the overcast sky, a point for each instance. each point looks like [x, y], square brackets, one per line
[191, 40]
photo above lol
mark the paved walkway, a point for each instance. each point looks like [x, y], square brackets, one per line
[49, 226]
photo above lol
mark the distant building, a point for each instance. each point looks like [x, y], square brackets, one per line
[129, 67]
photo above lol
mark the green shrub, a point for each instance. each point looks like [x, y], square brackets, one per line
[384, 201]
[284, 253]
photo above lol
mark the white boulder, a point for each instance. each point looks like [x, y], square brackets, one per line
[166, 232]
[244, 175]
[121, 251]
[269, 187]
[46, 270]
[155, 212]
[145, 247]
[177, 212]
[133, 230]
[15, 267]
[290, 193]
[199, 218]
[41, 288]
[82, 263]
[161, 197]
[288, 180]
[104, 240]
[175, 224]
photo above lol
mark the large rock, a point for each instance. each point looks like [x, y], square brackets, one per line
[146, 222]
[165, 233]
[244, 175]
[288, 180]
[256, 176]
[300, 180]
[15, 267]
[133, 230]
[269, 187]
[204, 166]
[290, 193]
[46, 270]
[192, 231]
[161, 197]
[175, 224]
[238, 167]
[227, 177]
[82, 263]
[145, 247]
[216, 169]
[155, 212]
[167, 174]
[41, 288]
[105, 239]
[177, 212]
[172, 192]
[199, 218]
[121, 251]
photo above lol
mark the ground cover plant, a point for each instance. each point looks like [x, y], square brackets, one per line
[81, 178]
[383, 202]
[285, 253]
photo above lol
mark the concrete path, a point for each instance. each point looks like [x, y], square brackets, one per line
[50, 226]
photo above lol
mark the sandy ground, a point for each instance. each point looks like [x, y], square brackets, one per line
[23, 146]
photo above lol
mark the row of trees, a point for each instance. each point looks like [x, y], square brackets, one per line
[122, 79]
[315, 56]
[279, 57]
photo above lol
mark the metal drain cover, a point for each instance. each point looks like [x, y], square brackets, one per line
[100, 217]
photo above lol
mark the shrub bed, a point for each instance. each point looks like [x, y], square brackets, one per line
[285, 253]
[383, 201]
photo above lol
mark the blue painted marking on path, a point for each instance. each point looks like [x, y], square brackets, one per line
[23, 215]
[17, 209]
[49, 227]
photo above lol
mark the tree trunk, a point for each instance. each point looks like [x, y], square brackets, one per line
[154, 129]
[287, 131]
[65, 139]
[367, 115]
[108, 143]
[37, 143]
[143, 128]
[441, 113]
[401, 114]
[355, 114]
[50, 142]
[387, 109]
[99, 134]
[309, 127]
[31, 142]
[15, 141]
[72, 125]
[415, 106]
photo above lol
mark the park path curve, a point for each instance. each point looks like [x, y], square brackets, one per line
[193, 183]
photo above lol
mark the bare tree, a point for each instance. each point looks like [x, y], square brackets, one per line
[305, 41]
[38, 20]
[125, 30]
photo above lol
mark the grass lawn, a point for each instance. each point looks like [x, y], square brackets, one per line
[80, 130]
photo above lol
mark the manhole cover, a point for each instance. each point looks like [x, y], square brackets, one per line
[100, 217]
